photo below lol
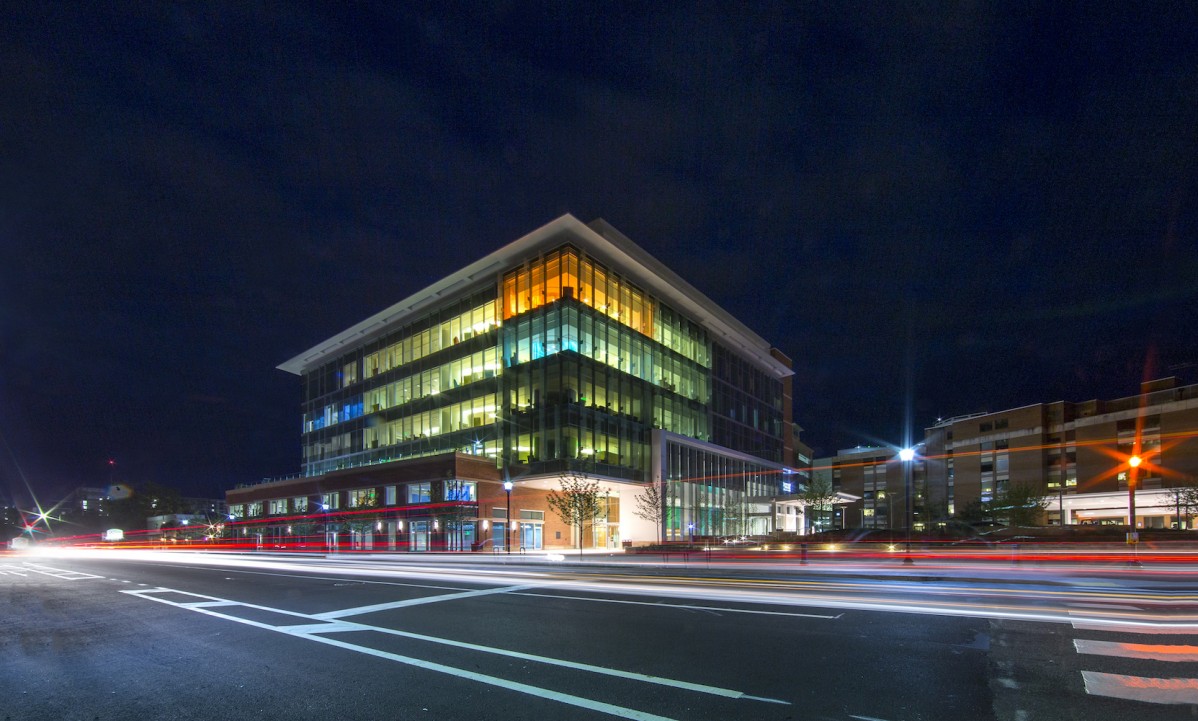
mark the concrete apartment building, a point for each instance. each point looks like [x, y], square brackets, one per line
[1075, 454]
[872, 482]
[569, 351]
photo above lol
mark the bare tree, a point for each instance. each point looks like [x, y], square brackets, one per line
[736, 514]
[361, 519]
[577, 503]
[1182, 499]
[650, 505]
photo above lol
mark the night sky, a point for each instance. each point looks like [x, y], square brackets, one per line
[946, 210]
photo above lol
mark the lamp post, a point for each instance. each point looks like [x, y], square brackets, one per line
[607, 517]
[507, 486]
[1133, 463]
[906, 455]
[1061, 483]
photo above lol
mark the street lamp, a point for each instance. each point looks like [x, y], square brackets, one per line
[607, 517]
[1132, 463]
[906, 455]
[507, 486]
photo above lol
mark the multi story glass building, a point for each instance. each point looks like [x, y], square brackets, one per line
[569, 351]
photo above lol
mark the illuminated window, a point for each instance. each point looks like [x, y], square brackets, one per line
[563, 274]
[419, 492]
[460, 491]
[349, 374]
[463, 326]
[363, 498]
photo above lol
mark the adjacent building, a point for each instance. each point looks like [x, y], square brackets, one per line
[1074, 454]
[570, 351]
[874, 483]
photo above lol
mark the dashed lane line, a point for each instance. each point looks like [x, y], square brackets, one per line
[1105, 606]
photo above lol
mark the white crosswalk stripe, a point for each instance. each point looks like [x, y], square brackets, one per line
[1150, 651]
[1141, 688]
[1155, 658]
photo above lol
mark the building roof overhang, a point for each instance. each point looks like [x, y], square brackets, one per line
[598, 238]
[796, 499]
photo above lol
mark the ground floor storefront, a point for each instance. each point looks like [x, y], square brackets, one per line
[1155, 508]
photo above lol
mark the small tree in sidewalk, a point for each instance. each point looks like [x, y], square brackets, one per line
[818, 496]
[649, 506]
[576, 503]
[1020, 504]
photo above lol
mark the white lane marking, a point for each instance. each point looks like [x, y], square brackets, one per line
[658, 604]
[1152, 652]
[310, 631]
[323, 627]
[865, 718]
[611, 709]
[329, 615]
[13, 571]
[1172, 629]
[208, 604]
[568, 699]
[603, 670]
[313, 577]
[60, 573]
[1141, 688]
[1107, 606]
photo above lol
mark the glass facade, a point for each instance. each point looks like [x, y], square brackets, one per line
[427, 388]
[747, 411]
[708, 493]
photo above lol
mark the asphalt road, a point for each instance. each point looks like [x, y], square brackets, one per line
[173, 636]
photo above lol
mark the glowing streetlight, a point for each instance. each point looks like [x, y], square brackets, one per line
[906, 455]
[1132, 463]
